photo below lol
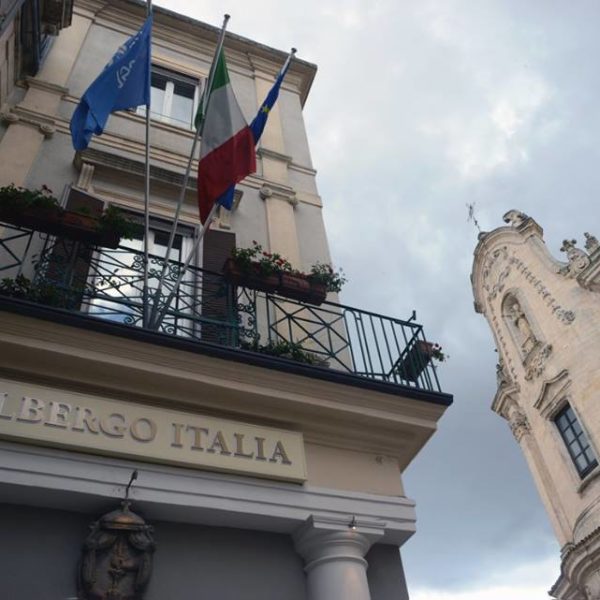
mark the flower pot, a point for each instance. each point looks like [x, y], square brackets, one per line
[65, 224]
[251, 278]
[413, 363]
[302, 288]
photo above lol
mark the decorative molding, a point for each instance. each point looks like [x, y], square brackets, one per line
[272, 154]
[85, 176]
[496, 286]
[46, 86]
[563, 315]
[535, 363]
[99, 158]
[579, 567]
[519, 424]
[280, 192]
[49, 477]
[552, 393]
[17, 114]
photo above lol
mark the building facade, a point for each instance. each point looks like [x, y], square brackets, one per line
[253, 445]
[544, 316]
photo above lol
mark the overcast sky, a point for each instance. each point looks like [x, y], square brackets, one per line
[419, 108]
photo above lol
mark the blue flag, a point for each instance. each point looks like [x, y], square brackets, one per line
[124, 83]
[257, 127]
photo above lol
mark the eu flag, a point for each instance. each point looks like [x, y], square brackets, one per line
[257, 127]
[124, 83]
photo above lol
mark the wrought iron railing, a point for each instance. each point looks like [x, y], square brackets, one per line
[108, 284]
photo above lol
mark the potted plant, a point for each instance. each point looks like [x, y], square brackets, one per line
[39, 210]
[416, 358]
[258, 269]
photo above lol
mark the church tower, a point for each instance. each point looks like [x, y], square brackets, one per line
[545, 318]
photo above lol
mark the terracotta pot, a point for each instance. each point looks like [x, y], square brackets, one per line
[288, 285]
[251, 278]
[65, 224]
[414, 362]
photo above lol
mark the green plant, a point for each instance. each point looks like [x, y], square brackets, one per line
[19, 198]
[23, 288]
[269, 263]
[437, 353]
[326, 275]
[113, 219]
[284, 349]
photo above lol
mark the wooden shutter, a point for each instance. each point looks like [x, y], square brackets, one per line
[69, 264]
[218, 304]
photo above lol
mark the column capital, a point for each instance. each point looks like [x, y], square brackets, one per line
[333, 550]
[323, 538]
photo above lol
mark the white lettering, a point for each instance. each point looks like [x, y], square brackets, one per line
[58, 414]
[3, 415]
[31, 410]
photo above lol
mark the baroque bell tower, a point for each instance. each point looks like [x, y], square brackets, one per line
[545, 319]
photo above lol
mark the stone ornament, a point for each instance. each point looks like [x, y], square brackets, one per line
[519, 425]
[578, 259]
[591, 242]
[116, 561]
[536, 361]
[524, 333]
[117, 557]
[515, 218]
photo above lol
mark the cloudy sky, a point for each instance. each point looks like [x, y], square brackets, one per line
[419, 108]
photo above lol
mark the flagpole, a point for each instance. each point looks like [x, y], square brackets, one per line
[145, 299]
[188, 170]
[161, 313]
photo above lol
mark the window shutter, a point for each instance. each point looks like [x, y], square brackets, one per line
[70, 261]
[216, 305]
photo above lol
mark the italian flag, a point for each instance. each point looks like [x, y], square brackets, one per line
[227, 153]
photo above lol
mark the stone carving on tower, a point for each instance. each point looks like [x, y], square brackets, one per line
[515, 218]
[578, 259]
[591, 242]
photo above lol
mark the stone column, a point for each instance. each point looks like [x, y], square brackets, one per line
[334, 558]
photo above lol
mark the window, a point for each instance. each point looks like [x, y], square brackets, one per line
[118, 277]
[173, 98]
[576, 441]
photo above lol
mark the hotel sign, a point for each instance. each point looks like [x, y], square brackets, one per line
[97, 425]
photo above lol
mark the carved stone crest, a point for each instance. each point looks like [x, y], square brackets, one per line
[578, 259]
[116, 560]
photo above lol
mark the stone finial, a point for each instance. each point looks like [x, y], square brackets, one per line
[515, 218]
[591, 242]
[578, 259]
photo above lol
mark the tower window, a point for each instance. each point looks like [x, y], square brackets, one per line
[576, 441]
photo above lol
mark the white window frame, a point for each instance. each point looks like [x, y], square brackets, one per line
[164, 115]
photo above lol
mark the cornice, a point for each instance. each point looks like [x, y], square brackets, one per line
[193, 377]
[73, 481]
[552, 393]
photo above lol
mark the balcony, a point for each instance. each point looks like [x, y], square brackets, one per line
[103, 289]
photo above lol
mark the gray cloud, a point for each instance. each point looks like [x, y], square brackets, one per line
[418, 109]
